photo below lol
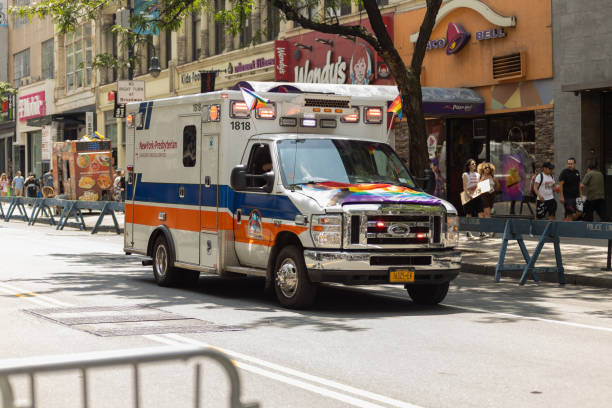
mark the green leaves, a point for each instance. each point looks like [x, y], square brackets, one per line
[5, 90]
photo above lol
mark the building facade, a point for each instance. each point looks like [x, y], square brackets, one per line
[503, 51]
[583, 86]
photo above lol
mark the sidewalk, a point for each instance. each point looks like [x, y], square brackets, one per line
[582, 263]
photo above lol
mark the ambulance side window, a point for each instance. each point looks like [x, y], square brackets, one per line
[189, 146]
[260, 162]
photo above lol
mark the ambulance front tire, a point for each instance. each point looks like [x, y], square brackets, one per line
[163, 265]
[293, 288]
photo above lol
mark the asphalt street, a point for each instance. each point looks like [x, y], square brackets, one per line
[487, 345]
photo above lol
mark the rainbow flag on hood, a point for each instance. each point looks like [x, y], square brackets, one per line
[396, 106]
[253, 100]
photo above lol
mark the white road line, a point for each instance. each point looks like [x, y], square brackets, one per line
[538, 319]
[28, 298]
[54, 302]
[299, 374]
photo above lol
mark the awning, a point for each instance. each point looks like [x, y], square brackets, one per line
[587, 86]
[436, 101]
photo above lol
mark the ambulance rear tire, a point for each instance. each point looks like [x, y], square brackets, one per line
[163, 264]
[293, 288]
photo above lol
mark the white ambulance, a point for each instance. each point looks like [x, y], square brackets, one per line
[302, 191]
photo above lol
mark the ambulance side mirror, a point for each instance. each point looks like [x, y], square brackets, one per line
[238, 178]
[269, 178]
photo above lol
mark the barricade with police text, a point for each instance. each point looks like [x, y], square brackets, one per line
[513, 229]
[42, 209]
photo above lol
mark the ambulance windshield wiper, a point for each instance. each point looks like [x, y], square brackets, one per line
[299, 185]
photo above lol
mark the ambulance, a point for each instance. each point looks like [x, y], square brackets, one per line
[301, 191]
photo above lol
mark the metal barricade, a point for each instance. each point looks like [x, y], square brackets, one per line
[135, 358]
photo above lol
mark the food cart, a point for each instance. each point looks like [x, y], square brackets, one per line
[82, 170]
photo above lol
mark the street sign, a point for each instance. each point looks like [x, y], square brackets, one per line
[130, 91]
[89, 123]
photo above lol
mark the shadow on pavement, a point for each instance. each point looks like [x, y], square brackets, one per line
[337, 307]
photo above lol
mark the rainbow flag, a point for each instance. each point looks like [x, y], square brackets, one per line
[253, 100]
[396, 106]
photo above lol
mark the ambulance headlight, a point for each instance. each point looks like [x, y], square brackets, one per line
[451, 236]
[373, 114]
[326, 231]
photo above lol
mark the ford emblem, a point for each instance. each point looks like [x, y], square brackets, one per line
[399, 229]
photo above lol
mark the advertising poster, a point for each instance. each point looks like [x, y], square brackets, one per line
[93, 175]
[513, 177]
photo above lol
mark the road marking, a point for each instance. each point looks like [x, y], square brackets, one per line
[53, 302]
[19, 294]
[288, 371]
[538, 319]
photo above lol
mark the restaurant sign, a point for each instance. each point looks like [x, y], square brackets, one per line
[31, 106]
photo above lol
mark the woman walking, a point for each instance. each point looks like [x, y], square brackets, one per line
[472, 205]
[487, 172]
[4, 185]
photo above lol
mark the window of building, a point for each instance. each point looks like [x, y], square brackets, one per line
[189, 146]
[79, 56]
[19, 21]
[272, 21]
[219, 29]
[21, 62]
[246, 34]
[196, 37]
[47, 59]
[334, 8]
[168, 47]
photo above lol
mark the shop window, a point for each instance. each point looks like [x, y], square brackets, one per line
[79, 55]
[47, 59]
[189, 146]
[21, 62]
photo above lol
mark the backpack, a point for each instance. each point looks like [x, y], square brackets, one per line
[532, 182]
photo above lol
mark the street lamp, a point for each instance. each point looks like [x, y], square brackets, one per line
[154, 68]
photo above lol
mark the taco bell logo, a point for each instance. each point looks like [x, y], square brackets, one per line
[456, 38]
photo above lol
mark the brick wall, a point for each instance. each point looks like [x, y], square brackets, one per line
[544, 136]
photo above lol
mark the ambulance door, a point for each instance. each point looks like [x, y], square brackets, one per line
[209, 219]
[253, 228]
[186, 201]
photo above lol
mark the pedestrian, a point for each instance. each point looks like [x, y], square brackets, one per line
[544, 190]
[593, 191]
[18, 184]
[32, 186]
[487, 172]
[4, 184]
[472, 204]
[47, 179]
[569, 191]
[122, 185]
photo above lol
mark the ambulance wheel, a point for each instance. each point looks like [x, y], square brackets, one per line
[291, 283]
[428, 294]
[163, 263]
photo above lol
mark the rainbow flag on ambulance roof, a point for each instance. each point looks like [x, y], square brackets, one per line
[396, 106]
[253, 100]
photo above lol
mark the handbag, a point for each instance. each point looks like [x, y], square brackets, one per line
[540, 209]
[465, 198]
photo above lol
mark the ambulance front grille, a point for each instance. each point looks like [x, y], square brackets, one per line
[326, 103]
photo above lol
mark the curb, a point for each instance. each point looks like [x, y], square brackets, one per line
[570, 278]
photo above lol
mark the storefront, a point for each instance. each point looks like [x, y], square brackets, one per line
[34, 106]
[326, 58]
[7, 133]
[503, 51]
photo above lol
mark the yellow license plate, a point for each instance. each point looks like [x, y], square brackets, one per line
[401, 275]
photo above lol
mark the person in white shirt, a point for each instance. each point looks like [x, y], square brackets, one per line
[473, 207]
[544, 190]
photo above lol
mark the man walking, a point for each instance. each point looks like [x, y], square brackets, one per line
[544, 190]
[18, 184]
[593, 188]
[569, 188]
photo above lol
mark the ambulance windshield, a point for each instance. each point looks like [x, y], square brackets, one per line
[307, 161]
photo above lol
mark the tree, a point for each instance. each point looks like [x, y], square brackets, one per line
[6, 89]
[407, 78]
[67, 14]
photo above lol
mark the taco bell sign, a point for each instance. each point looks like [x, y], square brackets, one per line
[31, 106]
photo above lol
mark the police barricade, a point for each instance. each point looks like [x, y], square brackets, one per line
[43, 207]
[84, 363]
[513, 229]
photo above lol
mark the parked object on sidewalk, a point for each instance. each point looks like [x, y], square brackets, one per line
[82, 365]
[82, 170]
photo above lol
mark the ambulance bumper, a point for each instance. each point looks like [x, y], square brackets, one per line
[374, 267]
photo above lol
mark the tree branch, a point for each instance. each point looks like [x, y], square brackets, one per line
[292, 13]
[424, 33]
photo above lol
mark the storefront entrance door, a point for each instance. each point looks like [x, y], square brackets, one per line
[607, 148]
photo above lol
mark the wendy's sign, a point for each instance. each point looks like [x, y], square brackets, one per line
[323, 58]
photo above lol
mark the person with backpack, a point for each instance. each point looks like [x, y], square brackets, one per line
[32, 186]
[544, 189]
